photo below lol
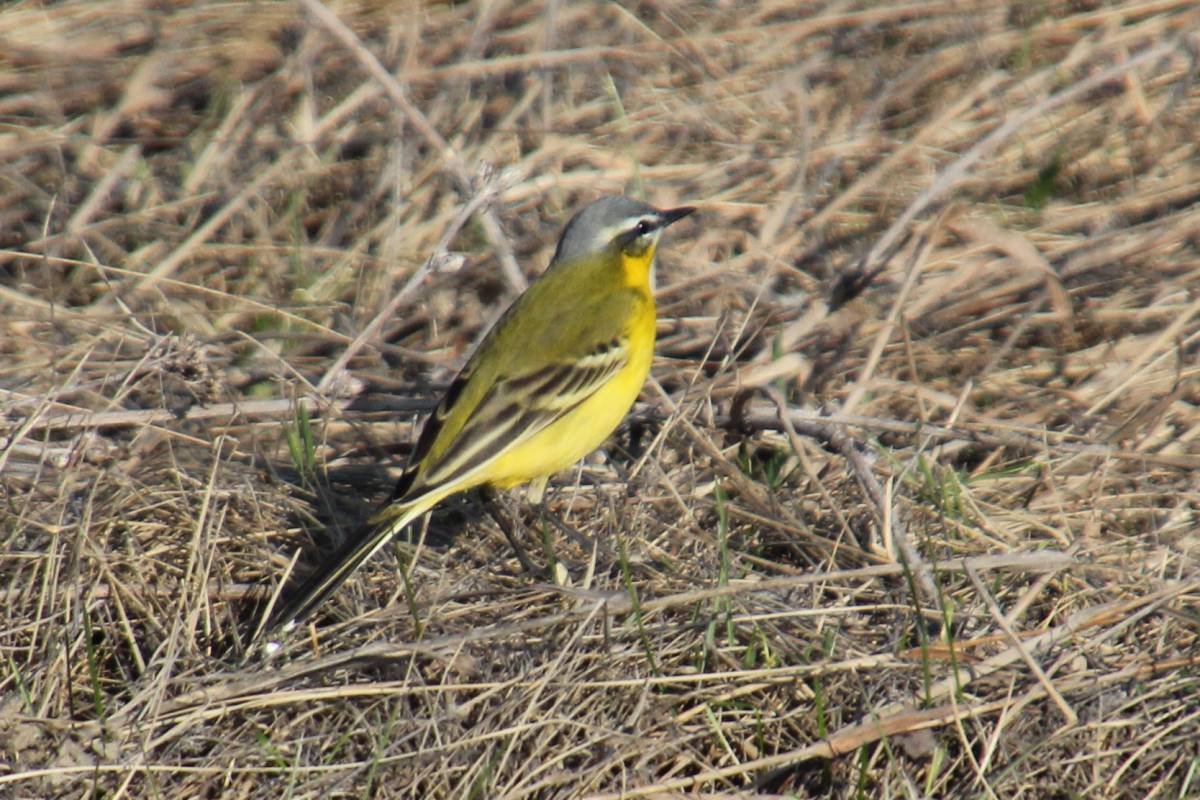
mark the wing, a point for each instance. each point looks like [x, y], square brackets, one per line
[429, 433]
[514, 409]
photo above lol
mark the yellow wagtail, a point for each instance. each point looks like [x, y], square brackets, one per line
[548, 384]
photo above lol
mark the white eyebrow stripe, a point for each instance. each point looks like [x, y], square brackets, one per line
[606, 235]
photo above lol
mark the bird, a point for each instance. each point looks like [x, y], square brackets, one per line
[546, 386]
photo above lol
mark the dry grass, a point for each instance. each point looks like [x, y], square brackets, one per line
[937, 540]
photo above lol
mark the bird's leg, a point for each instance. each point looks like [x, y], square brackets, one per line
[536, 492]
[537, 496]
[581, 539]
[492, 503]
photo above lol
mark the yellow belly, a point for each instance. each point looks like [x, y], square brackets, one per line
[561, 444]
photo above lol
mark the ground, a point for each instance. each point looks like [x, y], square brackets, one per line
[908, 507]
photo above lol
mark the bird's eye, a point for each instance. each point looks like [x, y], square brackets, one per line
[643, 228]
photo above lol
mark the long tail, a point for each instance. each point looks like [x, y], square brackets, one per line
[358, 547]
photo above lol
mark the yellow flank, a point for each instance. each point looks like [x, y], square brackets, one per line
[570, 438]
[546, 386]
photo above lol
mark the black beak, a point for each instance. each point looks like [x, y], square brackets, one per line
[673, 215]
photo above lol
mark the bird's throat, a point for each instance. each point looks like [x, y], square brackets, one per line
[639, 270]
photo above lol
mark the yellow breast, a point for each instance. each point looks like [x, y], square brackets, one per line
[581, 431]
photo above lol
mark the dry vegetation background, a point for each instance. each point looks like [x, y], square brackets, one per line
[909, 508]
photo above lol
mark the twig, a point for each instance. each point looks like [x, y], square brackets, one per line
[956, 172]
[1030, 440]
[884, 513]
[84, 420]
[456, 167]
[1043, 678]
[479, 198]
